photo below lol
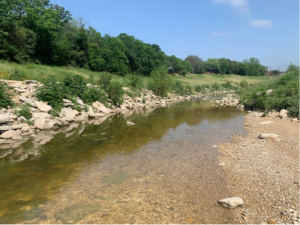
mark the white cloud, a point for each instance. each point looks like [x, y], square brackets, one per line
[240, 5]
[219, 34]
[261, 23]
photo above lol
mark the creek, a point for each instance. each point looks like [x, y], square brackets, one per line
[161, 170]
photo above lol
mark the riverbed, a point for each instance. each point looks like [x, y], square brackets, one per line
[163, 169]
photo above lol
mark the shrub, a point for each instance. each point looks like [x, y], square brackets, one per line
[244, 84]
[216, 86]
[93, 94]
[115, 92]
[183, 72]
[75, 84]
[105, 80]
[134, 81]
[24, 111]
[53, 93]
[159, 81]
[4, 96]
[285, 95]
[198, 88]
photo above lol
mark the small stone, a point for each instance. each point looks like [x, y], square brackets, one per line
[221, 164]
[130, 124]
[272, 221]
[231, 203]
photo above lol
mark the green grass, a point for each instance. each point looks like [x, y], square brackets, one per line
[39, 72]
[200, 79]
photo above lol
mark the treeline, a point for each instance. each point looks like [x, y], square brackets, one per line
[38, 32]
[250, 67]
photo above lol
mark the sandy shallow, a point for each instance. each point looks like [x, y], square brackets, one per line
[264, 172]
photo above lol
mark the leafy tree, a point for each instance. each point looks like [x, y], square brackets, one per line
[212, 65]
[196, 62]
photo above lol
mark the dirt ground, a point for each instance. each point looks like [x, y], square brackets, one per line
[264, 172]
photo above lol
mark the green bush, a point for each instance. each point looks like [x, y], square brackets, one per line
[115, 92]
[244, 84]
[93, 94]
[24, 111]
[105, 80]
[134, 81]
[76, 85]
[53, 93]
[159, 82]
[183, 72]
[284, 96]
[4, 96]
[198, 88]
[216, 86]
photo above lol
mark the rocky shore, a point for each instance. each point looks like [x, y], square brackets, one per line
[15, 129]
[263, 169]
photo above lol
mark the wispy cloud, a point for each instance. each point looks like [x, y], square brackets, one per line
[219, 34]
[240, 5]
[261, 23]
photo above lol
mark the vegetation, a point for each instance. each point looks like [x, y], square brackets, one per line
[115, 92]
[38, 32]
[4, 96]
[159, 82]
[284, 94]
[24, 111]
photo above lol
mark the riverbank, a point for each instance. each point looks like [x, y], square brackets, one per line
[264, 172]
[15, 129]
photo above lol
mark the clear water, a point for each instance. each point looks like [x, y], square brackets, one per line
[162, 170]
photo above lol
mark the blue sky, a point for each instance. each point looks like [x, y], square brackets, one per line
[234, 29]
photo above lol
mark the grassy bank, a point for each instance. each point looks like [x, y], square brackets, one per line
[279, 93]
[39, 72]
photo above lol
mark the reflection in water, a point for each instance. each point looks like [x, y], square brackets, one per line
[122, 169]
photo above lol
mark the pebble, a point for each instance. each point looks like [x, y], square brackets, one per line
[272, 222]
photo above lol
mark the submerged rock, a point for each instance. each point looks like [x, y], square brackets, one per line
[117, 178]
[231, 203]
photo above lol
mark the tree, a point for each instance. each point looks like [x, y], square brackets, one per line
[196, 62]
[212, 65]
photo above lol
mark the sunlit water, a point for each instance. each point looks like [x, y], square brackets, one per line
[162, 170]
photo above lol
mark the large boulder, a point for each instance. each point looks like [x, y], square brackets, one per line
[68, 114]
[26, 100]
[14, 134]
[42, 121]
[4, 118]
[231, 203]
[43, 107]
[100, 107]
[283, 113]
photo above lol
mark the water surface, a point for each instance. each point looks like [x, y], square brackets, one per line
[162, 170]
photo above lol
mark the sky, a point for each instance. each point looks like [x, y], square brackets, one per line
[234, 29]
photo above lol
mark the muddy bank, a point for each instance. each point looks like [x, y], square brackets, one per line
[264, 172]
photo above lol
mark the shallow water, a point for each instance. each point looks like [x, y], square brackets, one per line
[162, 170]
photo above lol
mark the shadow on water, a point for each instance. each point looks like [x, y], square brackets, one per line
[48, 168]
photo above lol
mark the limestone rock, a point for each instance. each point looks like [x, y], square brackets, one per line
[130, 123]
[5, 128]
[100, 107]
[283, 113]
[31, 82]
[43, 107]
[4, 118]
[79, 101]
[63, 121]
[231, 203]
[26, 100]
[263, 136]
[16, 84]
[42, 121]
[68, 114]
[16, 126]
[10, 134]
